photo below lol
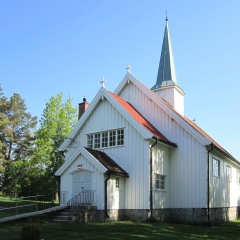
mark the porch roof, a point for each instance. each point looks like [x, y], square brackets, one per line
[107, 162]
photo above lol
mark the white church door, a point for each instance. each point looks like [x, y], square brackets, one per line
[81, 181]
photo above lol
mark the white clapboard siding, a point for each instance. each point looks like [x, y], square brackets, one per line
[187, 162]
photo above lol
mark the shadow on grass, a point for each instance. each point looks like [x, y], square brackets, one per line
[122, 230]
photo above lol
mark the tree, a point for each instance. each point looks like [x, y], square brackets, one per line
[17, 137]
[3, 124]
[57, 121]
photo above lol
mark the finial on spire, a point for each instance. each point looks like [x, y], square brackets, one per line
[166, 16]
[103, 81]
[128, 68]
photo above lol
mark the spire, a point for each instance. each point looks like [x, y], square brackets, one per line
[166, 70]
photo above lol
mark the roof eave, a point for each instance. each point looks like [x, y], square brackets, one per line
[118, 174]
[226, 154]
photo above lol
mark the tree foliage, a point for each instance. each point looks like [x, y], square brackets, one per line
[17, 137]
[56, 123]
[29, 157]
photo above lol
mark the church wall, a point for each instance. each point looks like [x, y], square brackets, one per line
[161, 198]
[97, 182]
[116, 196]
[224, 193]
[133, 156]
[188, 162]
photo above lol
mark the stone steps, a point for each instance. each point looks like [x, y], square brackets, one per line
[82, 214]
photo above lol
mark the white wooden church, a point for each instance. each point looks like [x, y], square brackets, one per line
[135, 155]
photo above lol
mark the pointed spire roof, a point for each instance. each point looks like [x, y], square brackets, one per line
[166, 70]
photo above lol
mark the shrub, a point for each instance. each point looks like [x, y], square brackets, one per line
[30, 232]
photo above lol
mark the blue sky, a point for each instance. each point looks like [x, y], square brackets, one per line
[69, 46]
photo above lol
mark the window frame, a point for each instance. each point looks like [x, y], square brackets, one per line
[237, 177]
[215, 167]
[160, 182]
[105, 139]
[228, 173]
[112, 138]
[97, 140]
[120, 137]
[117, 183]
[90, 140]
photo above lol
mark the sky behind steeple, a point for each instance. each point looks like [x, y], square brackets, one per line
[69, 47]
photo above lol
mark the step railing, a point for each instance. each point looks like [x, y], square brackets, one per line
[83, 198]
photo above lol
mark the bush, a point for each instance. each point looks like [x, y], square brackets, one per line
[30, 232]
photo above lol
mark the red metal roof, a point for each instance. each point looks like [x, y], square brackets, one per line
[143, 121]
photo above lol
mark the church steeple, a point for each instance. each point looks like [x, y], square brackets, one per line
[166, 70]
[167, 85]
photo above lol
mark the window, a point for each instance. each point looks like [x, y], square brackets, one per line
[229, 173]
[90, 141]
[97, 140]
[112, 138]
[117, 183]
[238, 177]
[216, 168]
[105, 139]
[160, 181]
[120, 137]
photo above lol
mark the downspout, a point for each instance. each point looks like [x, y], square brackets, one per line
[208, 183]
[105, 197]
[59, 187]
[151, 187]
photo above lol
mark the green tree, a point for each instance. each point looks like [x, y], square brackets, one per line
[17, 138]
[3, 123]
[57, 121]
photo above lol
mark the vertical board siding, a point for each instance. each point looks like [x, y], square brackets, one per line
[223, 193]
[132, 157]
[187, 163]
[161, 166]
[97, 179]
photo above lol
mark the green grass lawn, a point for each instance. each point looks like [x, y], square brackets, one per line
[123, 230]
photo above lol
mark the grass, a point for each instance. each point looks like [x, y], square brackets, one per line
[123, 230]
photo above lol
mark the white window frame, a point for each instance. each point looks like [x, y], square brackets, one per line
[111, 138]
[120, 137]
[228, 173]
[90, 141]
[104, 137]
[97, 140]
[237, 177]
[160, 181]
[117, 183]
[215, 167]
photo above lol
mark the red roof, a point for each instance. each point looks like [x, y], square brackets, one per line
[143, 121]
[197, 128]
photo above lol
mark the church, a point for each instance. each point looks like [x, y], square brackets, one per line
[134, 155]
